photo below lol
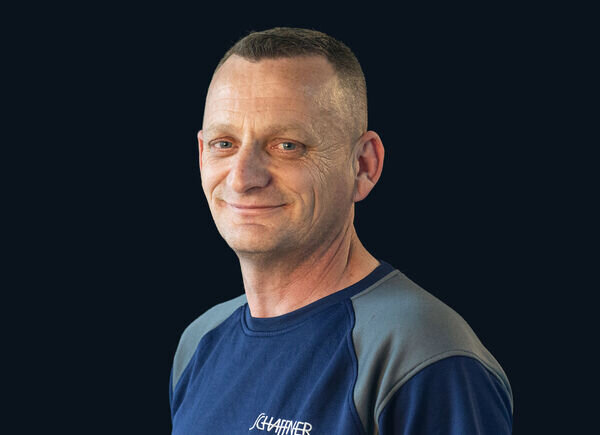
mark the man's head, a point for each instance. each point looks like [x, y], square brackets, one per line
[350, 98]
[284, 151]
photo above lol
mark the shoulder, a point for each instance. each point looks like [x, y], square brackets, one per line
[399, 330]
[196, 330]
[399, 309]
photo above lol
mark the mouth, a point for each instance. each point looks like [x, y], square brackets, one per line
[254, 209]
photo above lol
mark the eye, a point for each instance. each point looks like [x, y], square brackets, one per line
[288, 146]
[286, 149]
[222, 145]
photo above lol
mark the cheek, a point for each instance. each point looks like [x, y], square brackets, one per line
[295, 180]
[333, 181]
[211, 177]
[320, 187]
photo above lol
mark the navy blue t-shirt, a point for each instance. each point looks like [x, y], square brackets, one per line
[381, 356]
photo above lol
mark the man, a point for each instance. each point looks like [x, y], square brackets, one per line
[327, 339]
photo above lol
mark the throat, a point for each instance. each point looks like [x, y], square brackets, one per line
[280, 287]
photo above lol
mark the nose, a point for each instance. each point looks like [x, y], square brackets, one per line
[249, 169]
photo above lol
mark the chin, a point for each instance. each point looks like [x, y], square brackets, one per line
[249, 243]
[257, 251]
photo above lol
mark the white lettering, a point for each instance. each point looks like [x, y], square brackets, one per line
[282, 426]
[255, 425]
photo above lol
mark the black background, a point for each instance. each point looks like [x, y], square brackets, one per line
[112, 247]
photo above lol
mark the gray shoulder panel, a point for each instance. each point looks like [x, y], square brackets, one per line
[399, 330]
[197, 329]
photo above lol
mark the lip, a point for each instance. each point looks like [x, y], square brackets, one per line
[253, 209]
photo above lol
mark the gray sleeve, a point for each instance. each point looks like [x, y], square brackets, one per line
[197, 329]
[399, 330]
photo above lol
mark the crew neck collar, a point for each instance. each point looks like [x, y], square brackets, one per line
[279, 324]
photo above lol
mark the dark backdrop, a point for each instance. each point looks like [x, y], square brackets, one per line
[115, 247]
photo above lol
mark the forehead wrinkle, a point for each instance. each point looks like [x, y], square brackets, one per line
[260, 104]
[258, 109]
[230, 114]
[255, 98]
[257, 104]
[265, 90]
[270, 130]
[304, 121]
[245, 112]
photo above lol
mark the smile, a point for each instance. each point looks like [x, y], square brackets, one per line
[251, 210]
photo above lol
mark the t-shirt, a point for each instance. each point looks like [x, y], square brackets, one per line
[382, 356]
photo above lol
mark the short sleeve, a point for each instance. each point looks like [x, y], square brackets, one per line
[456, 395]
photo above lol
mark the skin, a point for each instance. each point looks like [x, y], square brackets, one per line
[281, 169]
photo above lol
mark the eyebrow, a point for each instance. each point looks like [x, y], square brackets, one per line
[272, 130]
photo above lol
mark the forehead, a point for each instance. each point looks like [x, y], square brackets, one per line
[295, 89]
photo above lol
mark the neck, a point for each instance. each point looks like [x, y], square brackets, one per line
[282, 285]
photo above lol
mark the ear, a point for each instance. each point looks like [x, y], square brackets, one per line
[369, 164]
[200, 147]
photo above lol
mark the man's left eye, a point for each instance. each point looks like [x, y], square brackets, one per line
[287, 146]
